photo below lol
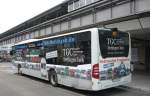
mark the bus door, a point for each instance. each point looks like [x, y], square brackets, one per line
[43, 67]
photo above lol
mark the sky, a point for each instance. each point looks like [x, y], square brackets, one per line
[15, 12]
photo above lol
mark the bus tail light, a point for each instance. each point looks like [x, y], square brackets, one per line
[95, 71]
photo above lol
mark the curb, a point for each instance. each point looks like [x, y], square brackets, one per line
[135, 88]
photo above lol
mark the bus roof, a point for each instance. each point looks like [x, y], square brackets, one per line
[34, 40]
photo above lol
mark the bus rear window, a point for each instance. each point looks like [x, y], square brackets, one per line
[113, 44]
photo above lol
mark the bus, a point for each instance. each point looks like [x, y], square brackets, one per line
[91, 59]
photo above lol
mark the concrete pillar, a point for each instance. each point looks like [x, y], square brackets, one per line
[147, 57]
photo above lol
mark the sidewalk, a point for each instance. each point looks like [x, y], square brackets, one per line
[5, 65]
[140, 80]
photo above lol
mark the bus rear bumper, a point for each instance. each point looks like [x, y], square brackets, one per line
[112, 83]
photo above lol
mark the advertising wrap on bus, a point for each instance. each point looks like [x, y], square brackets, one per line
[91, 59]
[114, 61]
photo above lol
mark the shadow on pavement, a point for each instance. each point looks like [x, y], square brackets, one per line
[107, 92]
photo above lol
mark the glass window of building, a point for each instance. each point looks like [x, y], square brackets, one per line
[42, 32]
[88, 2]
[82, 3]
[76, 4]
[32, 34]
[70, 7]
[36, 33]
[96, 0]
[27, 36]
[24, 37]
[48, 30]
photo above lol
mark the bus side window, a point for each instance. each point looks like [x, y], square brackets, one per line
[84, 43]
[79, 51]
[51, 49]
[75, 50]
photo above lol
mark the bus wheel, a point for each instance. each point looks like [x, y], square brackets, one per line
[19, 69]
[53, 78]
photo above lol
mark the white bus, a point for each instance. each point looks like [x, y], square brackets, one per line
[92, 59]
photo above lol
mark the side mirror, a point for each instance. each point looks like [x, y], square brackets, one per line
[41, 55]
[11, 53]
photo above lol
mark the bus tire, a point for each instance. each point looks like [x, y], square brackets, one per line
[19, 69]
[53, 78]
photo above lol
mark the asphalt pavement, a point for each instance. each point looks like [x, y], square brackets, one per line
[12, 84]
